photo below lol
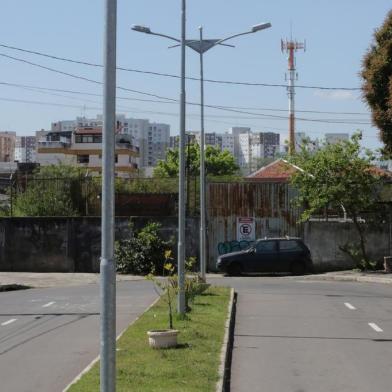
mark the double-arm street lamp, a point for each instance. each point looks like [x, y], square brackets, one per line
[200, 46]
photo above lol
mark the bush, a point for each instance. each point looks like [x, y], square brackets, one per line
[354, 251]
[143, 252]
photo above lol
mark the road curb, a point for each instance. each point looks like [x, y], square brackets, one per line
[344, 278]
[223, 385]
[95, 360]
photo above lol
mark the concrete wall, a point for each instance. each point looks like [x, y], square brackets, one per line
[72, 244]
[324, 239]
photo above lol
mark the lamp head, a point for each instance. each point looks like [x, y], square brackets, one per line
[261, 26]
[141, 29]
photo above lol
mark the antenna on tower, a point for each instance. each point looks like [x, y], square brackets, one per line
[290, 47]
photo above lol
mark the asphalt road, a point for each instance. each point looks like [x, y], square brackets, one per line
[294, 335]
[47, 336]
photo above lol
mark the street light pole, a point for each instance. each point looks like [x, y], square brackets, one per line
[181, 175]
[200, 46]
[108, 266]
[202, 169]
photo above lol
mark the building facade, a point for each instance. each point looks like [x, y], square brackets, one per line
[7, 146]
[25, 149]
[152, 139]
[83, 147]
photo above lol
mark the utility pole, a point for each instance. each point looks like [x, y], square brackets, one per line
[108, 265]
[181, 180]
[291, 47]
[203, 262]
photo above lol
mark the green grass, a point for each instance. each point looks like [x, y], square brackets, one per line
[192, 366]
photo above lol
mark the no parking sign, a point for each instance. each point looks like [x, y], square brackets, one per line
[246, 229]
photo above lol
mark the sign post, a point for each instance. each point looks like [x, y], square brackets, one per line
[246, 229]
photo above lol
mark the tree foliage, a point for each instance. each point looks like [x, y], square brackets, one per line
[143, 252]
[53, 191]
[218, 163]
[377, 81]
[338, 176]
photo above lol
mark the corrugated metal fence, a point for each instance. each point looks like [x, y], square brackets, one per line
[270, 204]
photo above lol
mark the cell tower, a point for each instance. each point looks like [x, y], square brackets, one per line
[291, 47]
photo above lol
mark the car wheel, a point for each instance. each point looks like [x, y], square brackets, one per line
[298, 268]
[234, 269]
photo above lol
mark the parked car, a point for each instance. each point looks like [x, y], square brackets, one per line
[286, 254]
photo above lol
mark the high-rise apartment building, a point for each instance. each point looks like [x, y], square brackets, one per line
[7, 146]
[25, 149]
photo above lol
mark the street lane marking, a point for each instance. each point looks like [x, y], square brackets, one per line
[375, 327]
[351, 307]
[8, 322]
[48, 304]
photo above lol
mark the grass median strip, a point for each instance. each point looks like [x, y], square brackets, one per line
[192, 366]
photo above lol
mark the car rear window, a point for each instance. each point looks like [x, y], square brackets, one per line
[290, 245]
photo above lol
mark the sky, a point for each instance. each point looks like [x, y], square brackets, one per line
[337, 34]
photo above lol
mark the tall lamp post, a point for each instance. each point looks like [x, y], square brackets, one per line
[107, 265]
[200, 46]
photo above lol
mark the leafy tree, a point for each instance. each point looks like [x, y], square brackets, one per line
[53, 191]
[377, 81]
[218, 163]
[339, 176]
[144, 252]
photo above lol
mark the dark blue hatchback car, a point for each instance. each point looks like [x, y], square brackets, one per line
[286, 254]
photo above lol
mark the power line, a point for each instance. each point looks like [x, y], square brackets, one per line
[42, 103]
[229, 82]
[257, 115]
[269, 116]
[79, 77]
[172, 102]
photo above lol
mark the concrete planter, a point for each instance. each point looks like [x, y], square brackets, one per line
[162, 338]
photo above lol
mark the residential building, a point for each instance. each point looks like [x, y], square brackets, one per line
[153, 139]
[25, 148]
[227, 142]
[174, 141]
[270, 142]
[154, 144]
[277, 171]
[83, 147]
[7, 146]
[333, 138]
[236, 132]
[256, 146]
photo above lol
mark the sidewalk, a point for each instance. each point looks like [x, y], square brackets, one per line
[55, 279]
[58, 279]
[352, 276]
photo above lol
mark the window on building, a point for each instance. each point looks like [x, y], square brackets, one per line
[83, 158]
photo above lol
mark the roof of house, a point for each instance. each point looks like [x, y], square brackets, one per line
[277, 171]
[281, 171]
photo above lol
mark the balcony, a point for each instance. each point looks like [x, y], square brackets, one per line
[54, 144]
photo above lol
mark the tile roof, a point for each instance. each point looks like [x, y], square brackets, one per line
[277, 171]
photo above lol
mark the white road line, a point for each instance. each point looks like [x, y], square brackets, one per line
[8, 322]
[351, 307]
[375, 327]
[48, 304]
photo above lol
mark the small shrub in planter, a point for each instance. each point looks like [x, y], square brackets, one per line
[167, 290]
